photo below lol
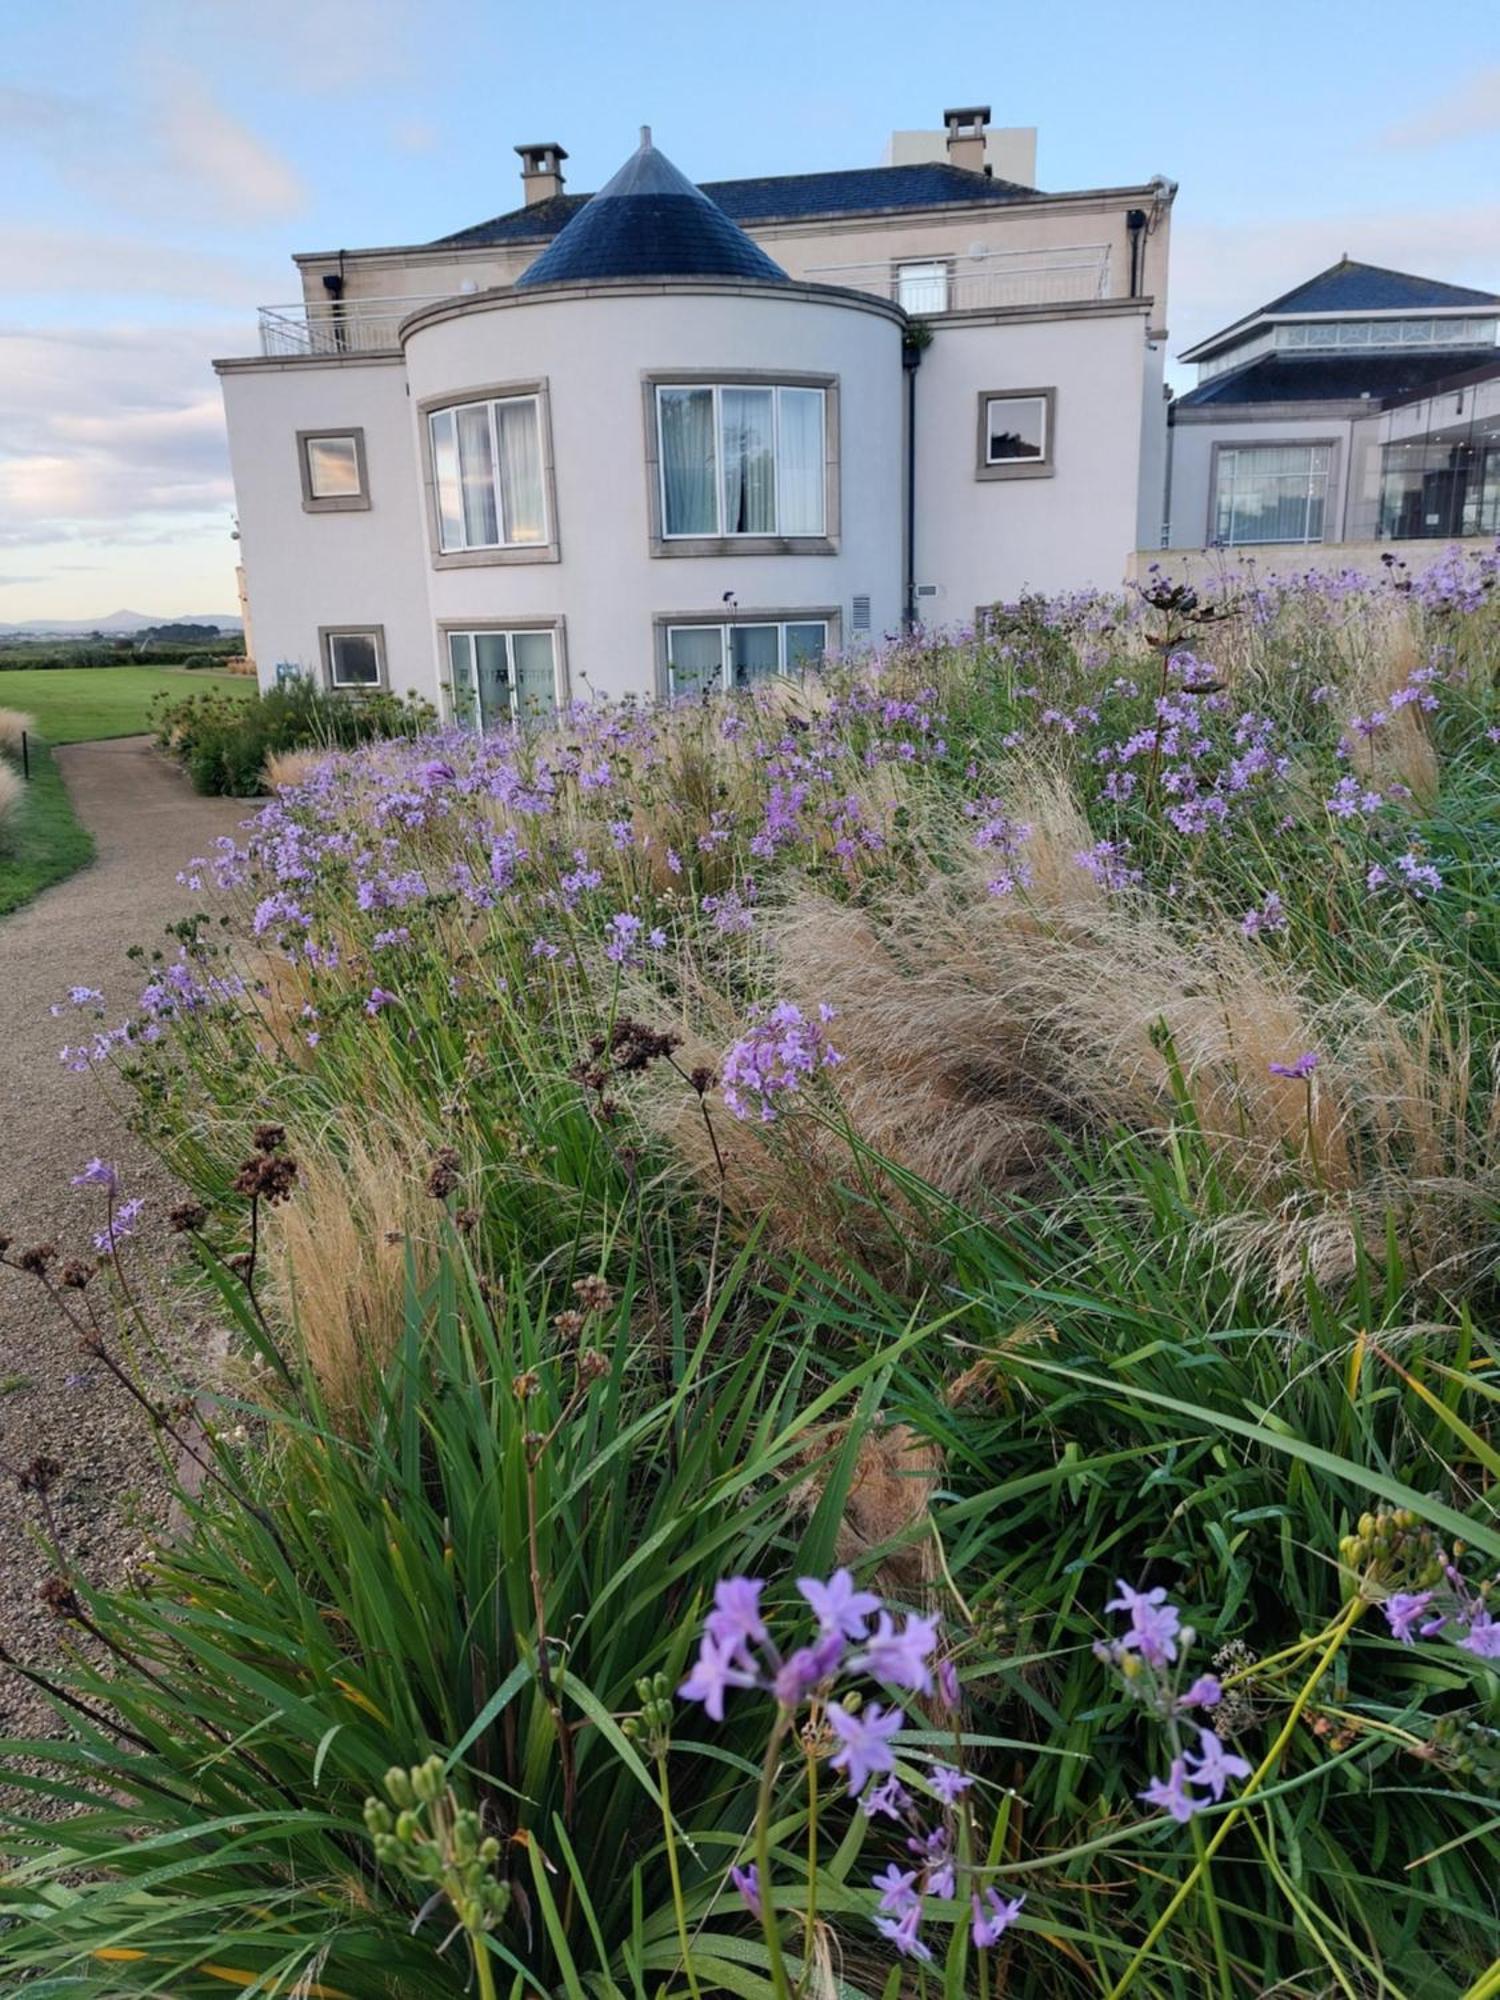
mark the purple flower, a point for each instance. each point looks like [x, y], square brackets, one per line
[1172, 1794]
[892, 1798]
[901, 1657]
[839, 1606]
[378, 1000]
[624, 930]
[1265, 921]
[990, 1926]
[747, 1881]
[735, 1622]
[948, 1783]
[864, 1743]
[1154, 1624]
[1215, 1765]
[1483, 1636]
[1404, 1610]
[1206, 1692]
[773, 1061]
[713, 1672]
[121, 1224]
[98, 1173]
[902, 1933]
[1303, 1067]
[797, 1676]
[897, 1894]
[948, 1685]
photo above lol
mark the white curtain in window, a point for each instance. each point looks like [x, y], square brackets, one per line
[492, 669]
[695, 654]
[461, 673]
[477, 470]
[536, 677]
[687, 461]
[1271, 493]
[518, 426]
[799, 462]
[749, 449]
[445, 473]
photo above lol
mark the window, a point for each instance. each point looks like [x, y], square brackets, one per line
[332, 468]
[741, 460]
[354, 656]
[1429, 489]
[487, 475]
[922, 288]
[1017, 429]
[705, 657]
[502, 676]
[1270, 493]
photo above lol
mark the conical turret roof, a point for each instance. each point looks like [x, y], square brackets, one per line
[651, 222]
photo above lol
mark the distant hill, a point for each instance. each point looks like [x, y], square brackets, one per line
[123, 624]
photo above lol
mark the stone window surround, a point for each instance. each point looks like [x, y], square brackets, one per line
[327, 633]
[1271, 443]
[1037, 468]
[334, 503]
[549, 551]
[830, 615]
[826, 544]
[557, 626]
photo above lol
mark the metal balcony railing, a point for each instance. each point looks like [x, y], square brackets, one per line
[343, 326]
[980, 281]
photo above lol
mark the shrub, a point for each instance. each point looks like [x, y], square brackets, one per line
[12, 792]
[224, 741]
[13, 726]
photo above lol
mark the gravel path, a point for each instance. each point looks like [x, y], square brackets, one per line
[147, 822]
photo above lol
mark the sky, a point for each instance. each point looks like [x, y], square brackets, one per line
[161, 160]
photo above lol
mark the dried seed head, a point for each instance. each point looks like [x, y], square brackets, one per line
[443, 1174]
[466, 1219]
[241, 1263]
[60, 1597]
[702, 1079]
[526, 1385]
[267, 1177]
[75, 1274]
[593, 1293]
[591, 1365]
[37, 1258]
[567, 1326]
[187, 1216]
[40, 1476]
[268, 1138]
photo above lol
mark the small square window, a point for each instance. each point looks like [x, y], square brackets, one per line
[922, 288]
[355, 659]
[332, 464]
[1015, 434]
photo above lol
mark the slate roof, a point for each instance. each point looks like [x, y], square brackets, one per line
[774, 198]
[1351, 287]
[649, 221]
[1332, 378]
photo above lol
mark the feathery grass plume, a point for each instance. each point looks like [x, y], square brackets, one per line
[340, 1259]
[13, 726]
[12, 791]
[291, 767]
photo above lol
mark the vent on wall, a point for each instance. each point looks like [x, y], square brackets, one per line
[860, 620]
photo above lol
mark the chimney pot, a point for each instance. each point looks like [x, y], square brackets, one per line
[541, 171]
[966, 136]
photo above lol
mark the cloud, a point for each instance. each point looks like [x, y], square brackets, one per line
[178, 152]
[318, 48]
[1470, 108]
[1223, 270]
[113, 431]
[109, 264]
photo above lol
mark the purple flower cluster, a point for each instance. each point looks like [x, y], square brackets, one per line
[855, 1635]
[781, 1053]
[1150, 1656]
[1458, 1613]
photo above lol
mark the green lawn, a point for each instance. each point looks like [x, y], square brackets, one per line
[81, 704]
[44, 841]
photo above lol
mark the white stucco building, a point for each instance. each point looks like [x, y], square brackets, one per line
[1361, 409]
[666, 437]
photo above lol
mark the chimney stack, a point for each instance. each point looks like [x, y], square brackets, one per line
[541, 171]
[966, 137]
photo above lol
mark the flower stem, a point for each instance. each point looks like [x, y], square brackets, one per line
[810, 1921]
[1336, 1638]
[674, 1872]
[482, 1969]
[763, 1853]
